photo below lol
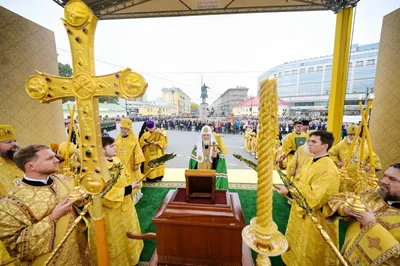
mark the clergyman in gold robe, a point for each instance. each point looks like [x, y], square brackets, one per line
[130, 154]
[119, 215]
[36, 213]
[318, 180]
[291, 143]
[373, 236]
[9, 172]
[339, 153]
[152, 143]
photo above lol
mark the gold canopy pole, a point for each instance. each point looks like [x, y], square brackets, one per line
[85, 87]
[341, 53]
[262, 234]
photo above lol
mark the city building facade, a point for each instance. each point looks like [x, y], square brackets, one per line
[106, 110]
[157, 107]
[299, 82]
[177, 98]
[223, 106]
[251, 107]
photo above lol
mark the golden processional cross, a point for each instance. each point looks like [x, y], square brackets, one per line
[85, 87]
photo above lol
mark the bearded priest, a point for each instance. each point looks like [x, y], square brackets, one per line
[206, 154]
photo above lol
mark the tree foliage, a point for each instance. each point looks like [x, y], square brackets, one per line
[65, 70]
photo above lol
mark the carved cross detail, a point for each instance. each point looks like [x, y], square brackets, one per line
[85, 87]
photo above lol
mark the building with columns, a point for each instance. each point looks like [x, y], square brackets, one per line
[177, 98]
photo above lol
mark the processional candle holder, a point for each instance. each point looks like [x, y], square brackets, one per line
[262, 234]
[355, 202]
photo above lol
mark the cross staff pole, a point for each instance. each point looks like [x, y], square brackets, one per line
[85, 87]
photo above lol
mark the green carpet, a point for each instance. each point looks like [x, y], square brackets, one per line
[154, 196]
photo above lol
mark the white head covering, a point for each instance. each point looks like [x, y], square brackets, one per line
[200, 156]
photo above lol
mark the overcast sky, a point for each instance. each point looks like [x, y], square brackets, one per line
[228, 50]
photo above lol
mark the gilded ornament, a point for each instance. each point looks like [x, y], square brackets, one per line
[36, 87]
[83, 86]
[76, 13]
[374, 242]
[133, 85]
[93, 183]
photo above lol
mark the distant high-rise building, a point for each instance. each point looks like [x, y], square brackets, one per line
[176, 97]
[306, 84]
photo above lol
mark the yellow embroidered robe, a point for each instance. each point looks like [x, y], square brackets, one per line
[5, 258]
[153, 151]
[298, 160]
[8, 173]
[165, 136]
[289, 147]
[28, 232]
[220, 143]
[120, 217]
[130, 154]
[253, 143]
[317, 182]
[377, 243]
[247, 142]
[339, 152]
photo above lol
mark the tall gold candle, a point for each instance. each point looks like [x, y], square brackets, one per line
[268, 124]
[262, 234]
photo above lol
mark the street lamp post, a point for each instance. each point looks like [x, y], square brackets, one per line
[368, 91]
[251, 106]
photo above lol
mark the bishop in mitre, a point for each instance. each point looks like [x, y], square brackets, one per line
[130, 154]
[207, 155]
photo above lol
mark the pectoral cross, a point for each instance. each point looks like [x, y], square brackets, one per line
[214, 146]
[85, 87]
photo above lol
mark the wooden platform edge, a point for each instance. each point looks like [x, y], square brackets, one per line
[247, 259]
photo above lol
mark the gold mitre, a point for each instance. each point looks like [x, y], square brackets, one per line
[351, 129]
[62, 149]
[6, 133]
[126, 123]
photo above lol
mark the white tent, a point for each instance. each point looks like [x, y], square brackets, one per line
[352, 119]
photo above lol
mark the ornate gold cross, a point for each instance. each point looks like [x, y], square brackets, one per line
[214, 146]
[85, 87]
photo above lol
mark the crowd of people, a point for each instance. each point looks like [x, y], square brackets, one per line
[28, 225]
